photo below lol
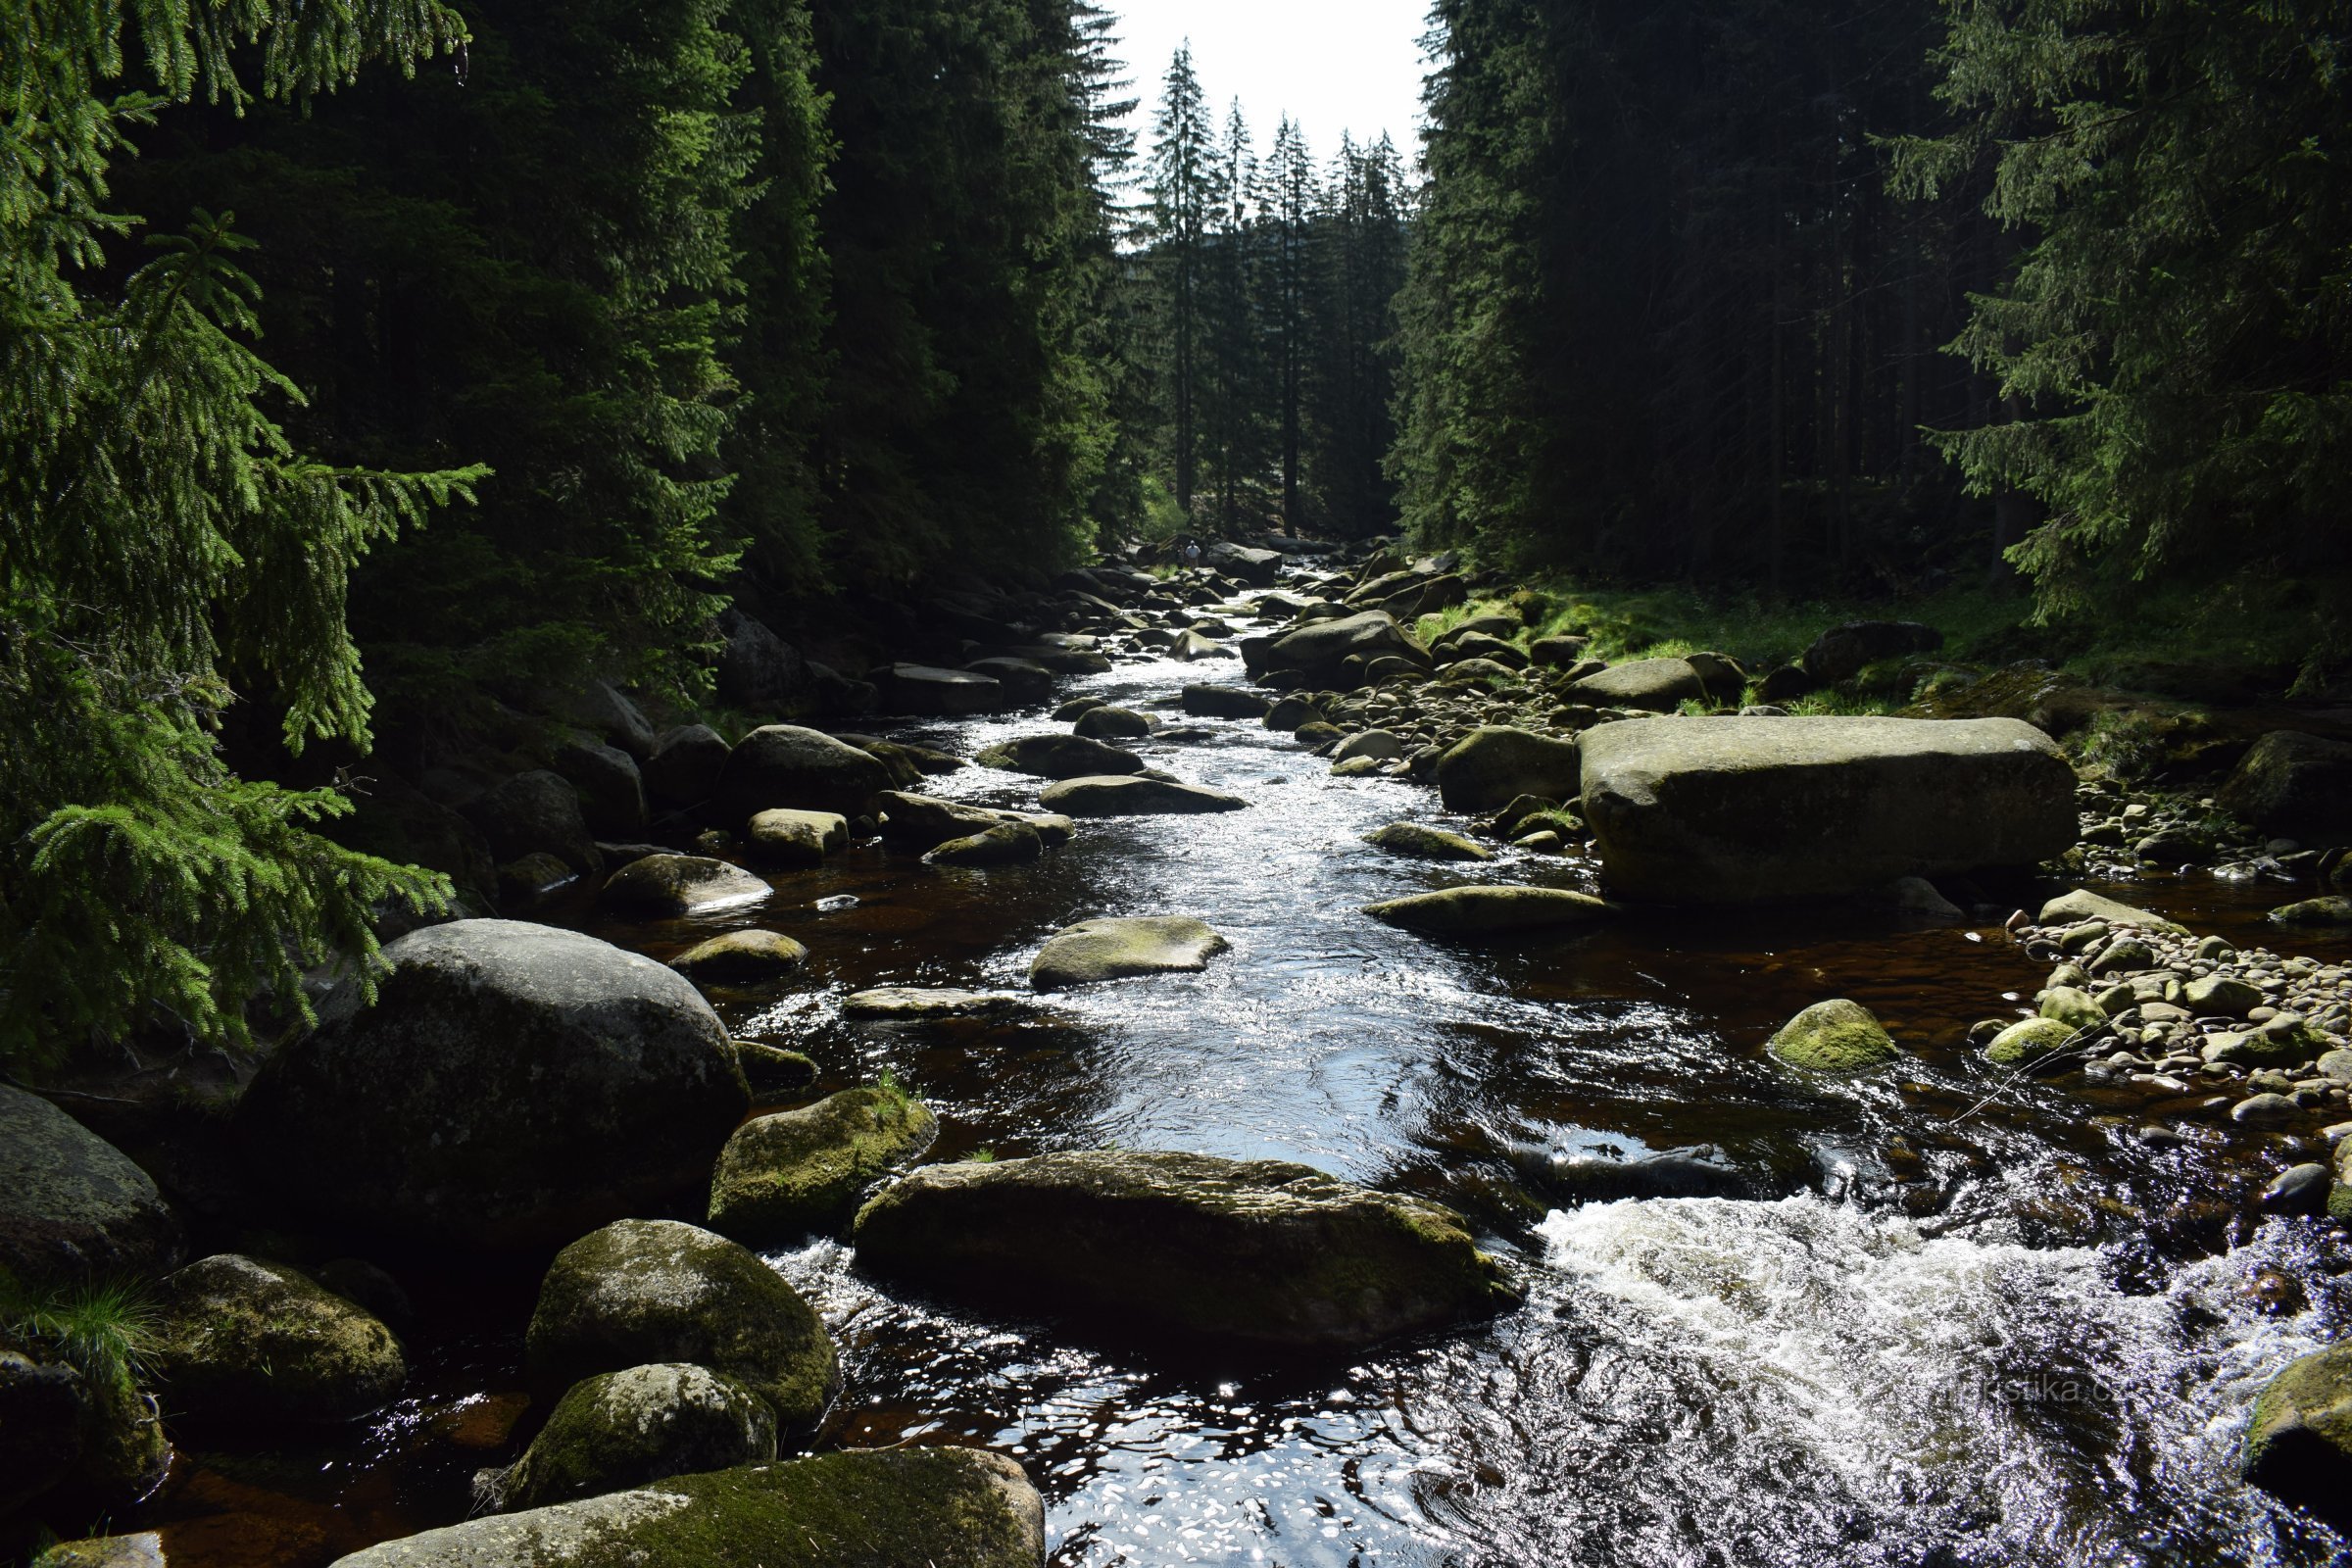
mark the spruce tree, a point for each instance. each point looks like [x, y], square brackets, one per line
[1182, 180]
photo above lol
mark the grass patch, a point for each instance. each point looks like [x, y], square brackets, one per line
[104, 1329]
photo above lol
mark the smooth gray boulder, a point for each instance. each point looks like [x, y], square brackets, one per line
[938, 1507]
[1259, 1255]
[1102, 722]
[1660, 685]
[2084, 905]
[512, 1086]
[1742, 810]
[535, 813]
[685, 765]
[612, 791]
[756, 668]
[1058, 757]
[1116, 947]
[663, 887]
[1131, 796]
[1496, 763]
[641, 1290]
[1225, 702]
[1322, 649]
[644, 1423]
[804, 769]
[71, 1205]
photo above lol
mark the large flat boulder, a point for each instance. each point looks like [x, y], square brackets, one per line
[1490, 911]
[1321, 650]
[925, 821]
[71, 1205]
[512, 1086]
[1116, 947]
[804, 769]
[1742, 810]
[1260, 1255]
[878, 1508]
[1134, 795]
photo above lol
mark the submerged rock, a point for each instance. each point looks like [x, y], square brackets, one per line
[512, 1085]
[1261, 1254]
[1135, 797]
[884, 1508]
[71, 1205]
[623, 1429]
[1424, 843]
[1497, 763]
[642, 1291]
[1834, 1036]
[783, 1177]
[1489, 911]
[248, 1340]
[908, 1002]
[2299, 1444]
[1116, 947]
[1738, 811]
[667, 886]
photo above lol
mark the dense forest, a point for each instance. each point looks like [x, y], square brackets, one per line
[429, 356]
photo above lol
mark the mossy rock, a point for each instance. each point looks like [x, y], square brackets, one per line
[1006, 843]
[2221, 996]
[1424, 843]
[2072, 1007]
[1261, 1254]
[249, 1340]
[623, 1429]
[1134, 795]
[2298, 1446]
[784, 1176]
[1119, 947]
[1059, 757]
[642, 1291]
[785, 837]
[773, 1069]
[741, 958]
[1490, 911]
[1496, 763]
[2029, 1041]
[71, 1205]
[887, 1509]
[2332, 910]
[1836, 1036]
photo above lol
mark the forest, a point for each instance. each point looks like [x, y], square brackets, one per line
[828, 782]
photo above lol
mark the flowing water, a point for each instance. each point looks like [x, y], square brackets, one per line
[1939, 1318]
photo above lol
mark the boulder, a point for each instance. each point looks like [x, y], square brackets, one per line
[771, 1071]
[1102, 722]
[396, 821]
[1836, 1036]
[783, 1177]
[600, 709]
[902, 1002]
[1840, 653]
[1261, 1255]
[1257, 567]
[1225, 702]
[2334, 909]
[1373, 745]
[1491, 909]
[1739, 810]
[759, 669]
[1192, 645]
[1058, 757]
[1321, 651]
[1024, 680]
[641, 1290]
[44, 1407]
[926, 692]
[663, 887]
[2029, 1041]
[806, 769]
[2298, 1446]
[251, 1342]
[2069, 908]
[611, 792]
[1495, 763]
[1133, 796]
[1660, 685]
[1482, 645]
[533, 811]
[1558, 653]
[685, 765]
[510, 1086]
[2295, 785]
[741, 958]
[1006, 843]
[781, 836]
[923, 821]
[623, 1429]
[1426, 843]
[72, 1205]
[1116, 947]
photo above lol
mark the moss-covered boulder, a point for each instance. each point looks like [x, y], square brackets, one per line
[773, 1070]
[623, 1429]
[71, 1205]
[252, 1342]
[2299, 1444]
[1494, 911]
[2335, 909]
[888, 1508]
[1006, 843]
[741, 958]
[1116, 947]
[1058, 757]
[2071, 1006]
[512, 1086]
[1424, 843]
[2221, 996]
[1262, 1254]
[1496, 763]
[663, 887]
[1105, 796]
[642, 1291]
[1102, 722]
[782, 1177]
[782, 836]
[1834, 1036]
[2029, 1041]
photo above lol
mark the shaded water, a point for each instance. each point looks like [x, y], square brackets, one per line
[1952, 1319]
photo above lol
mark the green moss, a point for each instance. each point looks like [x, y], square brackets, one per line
[784, 1176]
[2029, 1041]
[1836, 1036]
[257, 1340]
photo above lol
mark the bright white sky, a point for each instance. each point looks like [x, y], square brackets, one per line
[1331, 65]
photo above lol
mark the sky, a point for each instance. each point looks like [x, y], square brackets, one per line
[1331, 65]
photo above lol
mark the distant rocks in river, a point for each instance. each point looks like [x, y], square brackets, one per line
[923, 821]
[1742, 810]
[511, 1085]
[1059, 757]
[917, 1507]
[1264, 1255]
[1114, 948]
